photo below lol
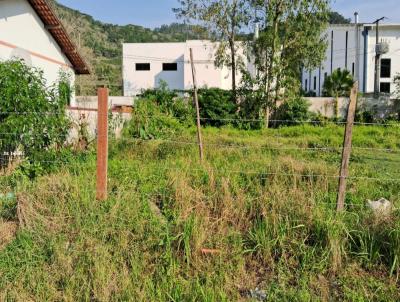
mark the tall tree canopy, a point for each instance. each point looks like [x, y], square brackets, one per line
[291, 38]
[336, 18]
[224, 20]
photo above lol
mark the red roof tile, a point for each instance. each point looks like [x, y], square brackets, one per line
[54, 26]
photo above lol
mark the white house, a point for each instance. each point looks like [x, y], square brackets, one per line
[146, 64]
[352, 47]
[30, 30]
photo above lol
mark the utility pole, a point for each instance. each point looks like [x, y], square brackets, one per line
[377, 60]
[196, 102]
[357, 60]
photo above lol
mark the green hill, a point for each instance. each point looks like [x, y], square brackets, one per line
[101, 45]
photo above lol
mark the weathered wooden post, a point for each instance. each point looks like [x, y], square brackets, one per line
[196, 101]
[346, 151]
[102, 144]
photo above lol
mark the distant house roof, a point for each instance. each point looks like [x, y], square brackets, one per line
[53, 24]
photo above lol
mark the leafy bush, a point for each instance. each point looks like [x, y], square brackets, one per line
[183, 110]
[161, 95]
[217, 106]
[32, 119]
[250, 113]
[150, 122]
[293, 111]
[170, 103]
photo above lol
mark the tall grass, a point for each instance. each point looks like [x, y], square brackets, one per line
[270, 227]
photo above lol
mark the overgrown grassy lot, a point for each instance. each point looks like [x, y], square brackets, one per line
[263, 202]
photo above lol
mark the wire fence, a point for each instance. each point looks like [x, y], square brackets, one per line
[230, 143]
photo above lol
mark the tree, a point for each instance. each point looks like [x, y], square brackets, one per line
[336, 18]
[291, 38]
[396, 93]
[224, 20]
[338, 84]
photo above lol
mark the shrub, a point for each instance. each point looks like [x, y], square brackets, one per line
[149, 122]
[170, 103]
[162, 96]
[32, 119]
[183, 110]
[217, 106]
[338, 84]
[293, 111]
[250, 113]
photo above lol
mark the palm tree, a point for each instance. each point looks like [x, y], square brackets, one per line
[338, 84]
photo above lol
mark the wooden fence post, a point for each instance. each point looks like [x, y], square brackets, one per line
[346, 151]
[196, 101]
[102, 144]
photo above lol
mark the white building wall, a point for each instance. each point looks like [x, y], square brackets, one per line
[390, 34]
[155, 54]
[208, 75]
[23, 35]
[336, 55]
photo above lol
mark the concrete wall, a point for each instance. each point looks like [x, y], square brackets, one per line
[22, 35]
[90, 102]
[336, 55]
[85, 112]
[326, 106]
[88, 118]
[382, 108]
[158, 53]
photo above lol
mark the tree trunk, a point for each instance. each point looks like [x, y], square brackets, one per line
[233, 63]
[337, 107]
[266, 118]
[272, 58]
[280, 75]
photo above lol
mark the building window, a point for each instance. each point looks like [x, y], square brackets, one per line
[315, 83]
[386, 68]
[352, 69]
[170, 66]
[385, 87]
[325, 75]
[306, 86]
[142, 66]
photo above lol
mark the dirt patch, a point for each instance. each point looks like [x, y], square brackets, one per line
[7, 232]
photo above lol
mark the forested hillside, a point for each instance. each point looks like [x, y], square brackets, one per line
[101, 45]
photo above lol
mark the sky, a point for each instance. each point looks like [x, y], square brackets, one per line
[153, 13]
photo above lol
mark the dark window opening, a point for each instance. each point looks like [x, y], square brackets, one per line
[315, 83]
[142, 66]
[386, 68]
[325, 75]
[170, 66]
[352, 69]
[306, 88]
[385, 87]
